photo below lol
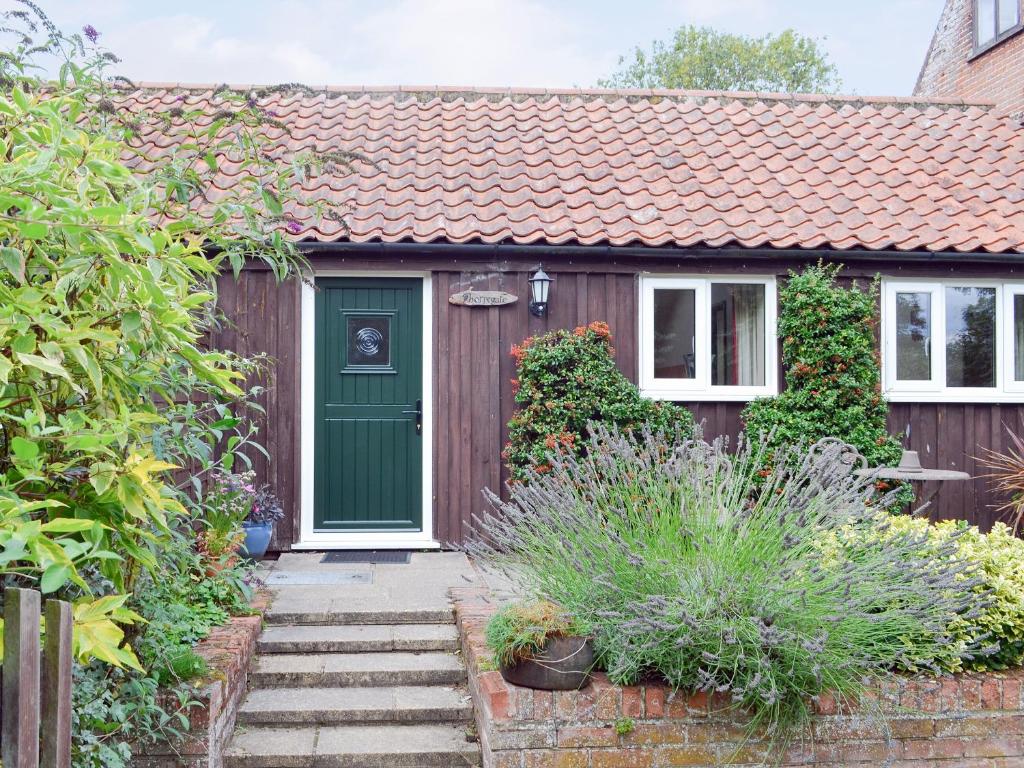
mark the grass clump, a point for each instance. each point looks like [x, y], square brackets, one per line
[520, 630]
[700, 566]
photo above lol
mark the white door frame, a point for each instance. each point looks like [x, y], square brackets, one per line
[308, 537]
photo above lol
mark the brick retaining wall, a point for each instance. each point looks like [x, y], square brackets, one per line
[228, 651]
[963, 721]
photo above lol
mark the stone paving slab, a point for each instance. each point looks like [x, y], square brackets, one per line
[357, 669]
[358, 638]
[348, 705]
[353, 746]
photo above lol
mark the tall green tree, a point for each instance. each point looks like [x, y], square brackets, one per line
[701, 58]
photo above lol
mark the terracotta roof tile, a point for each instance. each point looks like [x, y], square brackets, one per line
[646, 167]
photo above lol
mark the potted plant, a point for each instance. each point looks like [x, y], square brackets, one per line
[259, 523]
[538, 645]
[225, 506]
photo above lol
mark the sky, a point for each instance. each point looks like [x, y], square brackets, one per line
[877, 45]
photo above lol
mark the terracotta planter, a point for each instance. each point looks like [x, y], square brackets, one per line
[564, 664]
[213, 567]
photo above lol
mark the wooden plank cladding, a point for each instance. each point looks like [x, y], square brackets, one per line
[473, 372]
[263, 317]
[473, 369]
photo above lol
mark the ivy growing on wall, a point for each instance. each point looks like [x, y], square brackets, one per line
[833, 380]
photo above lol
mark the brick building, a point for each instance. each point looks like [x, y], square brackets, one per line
[977, 53]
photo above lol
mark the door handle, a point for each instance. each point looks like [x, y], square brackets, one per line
[419, 416]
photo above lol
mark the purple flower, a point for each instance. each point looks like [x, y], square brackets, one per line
[293, 226]
[90, 32]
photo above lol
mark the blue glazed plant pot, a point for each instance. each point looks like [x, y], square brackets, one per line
[257, 538]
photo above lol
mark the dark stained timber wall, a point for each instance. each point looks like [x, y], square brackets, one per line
[473, 372]
[263, 317]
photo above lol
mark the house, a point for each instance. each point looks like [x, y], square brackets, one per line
[672, 216]
[977, 52]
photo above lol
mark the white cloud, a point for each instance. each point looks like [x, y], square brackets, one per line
[709, 11]
[493, 42]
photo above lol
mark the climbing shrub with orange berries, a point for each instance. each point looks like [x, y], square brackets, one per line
[566, 380]
[832, 370]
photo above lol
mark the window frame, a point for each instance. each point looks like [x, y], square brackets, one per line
[978, 49]
[935, 389]
[700, 387]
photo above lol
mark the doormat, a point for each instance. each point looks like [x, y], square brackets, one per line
[317, 578]
[367, 556]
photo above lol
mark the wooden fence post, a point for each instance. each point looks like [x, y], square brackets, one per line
[21, 679]
[56, 701]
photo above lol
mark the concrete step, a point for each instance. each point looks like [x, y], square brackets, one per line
[359, 638]
[332, 670]
[368, 613]
[352, 746]
[339, 706]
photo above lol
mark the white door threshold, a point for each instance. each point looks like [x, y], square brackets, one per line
[337, 542]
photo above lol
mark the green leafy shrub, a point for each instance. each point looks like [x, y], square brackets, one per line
[997, 577]
[116, 711]
[520, 630]
[701, 566]
[566, 380]
[832, 370]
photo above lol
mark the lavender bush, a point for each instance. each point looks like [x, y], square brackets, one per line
[695, 564]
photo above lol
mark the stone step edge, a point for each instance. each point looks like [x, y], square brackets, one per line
[348, 618]
[457, 752]
[407, 643]
[458, 710]
[373, 679]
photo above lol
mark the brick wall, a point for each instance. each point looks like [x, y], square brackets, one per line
[966, 721]
[228, 651]
[996, 75]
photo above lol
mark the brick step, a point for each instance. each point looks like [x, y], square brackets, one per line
[332, 670]
[358, 638]
[359, 615]
[339, 706]
[352, 746]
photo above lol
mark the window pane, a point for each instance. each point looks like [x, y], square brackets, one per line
[985, 21]
[913, 331]
[369, 340]
[1018, 337]
[737, 335]
[674, 330]
[970, 337]
[1009, 14]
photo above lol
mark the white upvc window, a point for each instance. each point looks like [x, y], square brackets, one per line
[708, 338]
[953, 340]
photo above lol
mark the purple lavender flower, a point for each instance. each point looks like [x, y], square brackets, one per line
[293, 226]
[90, 32]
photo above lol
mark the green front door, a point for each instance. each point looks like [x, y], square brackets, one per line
[369, 390]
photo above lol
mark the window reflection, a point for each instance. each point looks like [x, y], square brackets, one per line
[674, 334]
[913, 335]
[970, 337]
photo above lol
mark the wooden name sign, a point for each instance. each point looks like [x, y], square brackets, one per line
[482, 298]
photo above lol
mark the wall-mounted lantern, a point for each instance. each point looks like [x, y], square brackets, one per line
[539, 285]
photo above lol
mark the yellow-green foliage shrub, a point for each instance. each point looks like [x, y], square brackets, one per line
[998, 562]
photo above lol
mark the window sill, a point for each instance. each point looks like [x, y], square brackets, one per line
[995, 398]
[691, 396]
